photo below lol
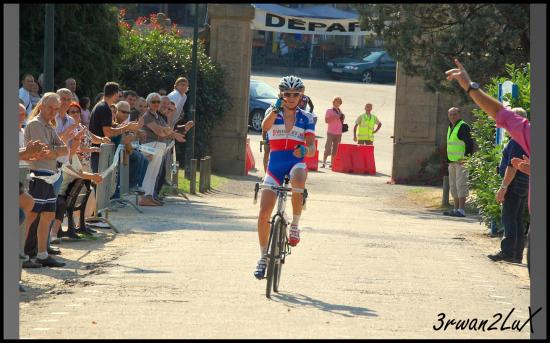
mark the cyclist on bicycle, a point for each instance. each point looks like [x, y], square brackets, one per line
[291, 134]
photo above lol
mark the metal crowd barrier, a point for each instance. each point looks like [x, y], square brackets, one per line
[123, 171]
[106, 189]
[172, 172]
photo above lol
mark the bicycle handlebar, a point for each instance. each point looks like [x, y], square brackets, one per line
[281, 188]
[257, 187]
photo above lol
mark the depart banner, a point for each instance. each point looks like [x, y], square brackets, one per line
[269, 21]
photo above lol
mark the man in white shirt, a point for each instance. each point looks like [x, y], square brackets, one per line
[181, 86]
[24, 92]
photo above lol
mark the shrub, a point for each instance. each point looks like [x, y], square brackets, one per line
[153, 57]
[484, 179]
[86, 44]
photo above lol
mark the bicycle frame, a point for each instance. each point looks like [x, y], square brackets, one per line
[279, 249]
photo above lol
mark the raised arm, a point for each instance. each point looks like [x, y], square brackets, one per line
[487, 103]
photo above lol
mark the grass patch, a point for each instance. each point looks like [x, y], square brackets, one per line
[184, 185]
[430, 198]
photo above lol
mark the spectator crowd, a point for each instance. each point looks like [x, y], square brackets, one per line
[60, 141]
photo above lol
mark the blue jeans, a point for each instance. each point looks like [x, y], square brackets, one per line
[138, 168]
[513, 242]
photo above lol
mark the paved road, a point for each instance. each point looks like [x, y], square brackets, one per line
[354, 97]
[371, 264]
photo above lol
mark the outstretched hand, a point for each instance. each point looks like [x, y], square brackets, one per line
[459, 74]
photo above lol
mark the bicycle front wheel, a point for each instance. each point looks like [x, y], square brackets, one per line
[272, 254]
[279, 261]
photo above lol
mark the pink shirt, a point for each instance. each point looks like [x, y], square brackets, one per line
[519, 129]
[332, 117]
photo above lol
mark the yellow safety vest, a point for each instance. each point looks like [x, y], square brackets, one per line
[365, 130]
[456, 148]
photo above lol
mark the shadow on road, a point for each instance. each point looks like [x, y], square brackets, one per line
[137, 270]
[429, 215]
[342, 310]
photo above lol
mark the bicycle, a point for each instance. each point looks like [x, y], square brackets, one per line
[278, 247]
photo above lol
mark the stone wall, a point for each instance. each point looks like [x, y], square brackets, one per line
[420, 124]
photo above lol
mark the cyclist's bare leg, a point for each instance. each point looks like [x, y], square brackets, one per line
[266, 157]
[298, 180]
[267, 203]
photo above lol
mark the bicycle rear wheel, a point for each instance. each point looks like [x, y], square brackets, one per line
[279, 261]
[272, 254]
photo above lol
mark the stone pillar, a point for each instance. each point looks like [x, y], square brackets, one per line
[420, 124]
[231, 48]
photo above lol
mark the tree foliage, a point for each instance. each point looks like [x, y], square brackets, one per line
[86, 44]
[425, 38]
[484, 179]
[153, 57]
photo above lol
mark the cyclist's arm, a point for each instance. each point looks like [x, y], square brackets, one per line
[269, 120]
[310, 143]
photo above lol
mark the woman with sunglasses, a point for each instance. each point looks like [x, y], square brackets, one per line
[291, 134]
[156, 132]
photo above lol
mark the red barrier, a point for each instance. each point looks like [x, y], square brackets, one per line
[312, 163]
[250, 163]
[352, 158]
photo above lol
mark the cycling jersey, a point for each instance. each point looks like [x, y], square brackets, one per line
[282, 145]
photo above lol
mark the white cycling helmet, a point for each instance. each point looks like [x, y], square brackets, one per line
[291, 82]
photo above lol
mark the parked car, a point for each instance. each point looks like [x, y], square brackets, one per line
[261, 97]
[356, 56]
[376, 67]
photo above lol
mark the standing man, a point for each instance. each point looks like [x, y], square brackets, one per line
[25, 92]
[70, 84]
[65, 124]
[181, 86]
[131, 98]
[363, 131]
[459, 145]
[512, 194]
[44, 175]
[101, 120]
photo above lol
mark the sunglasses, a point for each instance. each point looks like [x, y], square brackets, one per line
[125, 112]
[288, 94]
[155, 101]
[74, 112]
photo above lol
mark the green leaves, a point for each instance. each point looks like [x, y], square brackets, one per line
[484, 179]
[152, 59]
[85, 41]
[436, 33]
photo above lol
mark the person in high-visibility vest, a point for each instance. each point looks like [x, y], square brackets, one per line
[363, 131]
[459, 145]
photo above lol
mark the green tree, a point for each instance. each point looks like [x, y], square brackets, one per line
[85, 41]
[484, 180]
[424, 38]
[153, 57]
